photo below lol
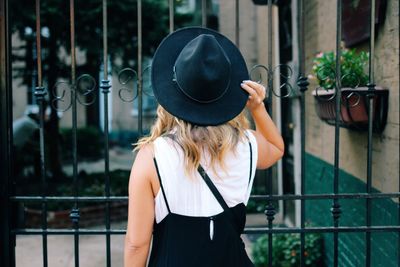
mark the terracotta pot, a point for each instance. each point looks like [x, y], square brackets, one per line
[354, 107]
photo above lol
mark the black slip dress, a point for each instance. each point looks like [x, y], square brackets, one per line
[189, 241]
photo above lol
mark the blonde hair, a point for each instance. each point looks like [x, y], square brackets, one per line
[194, 140]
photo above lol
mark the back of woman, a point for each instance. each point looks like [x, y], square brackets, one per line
[192, 228]
[192, 176]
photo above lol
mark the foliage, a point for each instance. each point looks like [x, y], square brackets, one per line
[286, 250]
[89, 143]
[88, 185]
[259, 205]
[93, 184]
[122, 31]
[352, 68]
[122, 38]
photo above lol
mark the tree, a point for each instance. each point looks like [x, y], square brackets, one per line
[122, 45]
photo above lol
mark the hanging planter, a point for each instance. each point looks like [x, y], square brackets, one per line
[355, 95]
[354, 107]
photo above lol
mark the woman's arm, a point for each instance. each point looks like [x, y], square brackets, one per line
[269, 140]
[140, 211]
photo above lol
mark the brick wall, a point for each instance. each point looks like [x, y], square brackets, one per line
[320, 36]
[352, 246]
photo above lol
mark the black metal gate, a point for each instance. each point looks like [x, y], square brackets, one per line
[9, 199]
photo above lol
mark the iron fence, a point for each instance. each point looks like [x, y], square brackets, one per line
[9, 199]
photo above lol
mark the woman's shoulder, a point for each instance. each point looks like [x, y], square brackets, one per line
[145, 152]
[251, 136]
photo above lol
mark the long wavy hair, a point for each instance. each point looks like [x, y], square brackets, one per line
[195, 140]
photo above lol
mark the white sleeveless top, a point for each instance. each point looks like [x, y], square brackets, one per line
[191, 196]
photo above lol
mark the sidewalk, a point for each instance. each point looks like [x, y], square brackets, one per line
[92, 250]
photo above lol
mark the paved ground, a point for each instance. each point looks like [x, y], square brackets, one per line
[92, 251]
[61, 251]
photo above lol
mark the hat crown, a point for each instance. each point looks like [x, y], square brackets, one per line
[202, 69]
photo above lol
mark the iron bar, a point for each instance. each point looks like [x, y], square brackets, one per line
[139, 73]
[204, 13]
[327, 196]
[270, 77]
[40, 93]
[38, 44]
[248, 230]
[105, 45]
[171, 15]
[270, 209]
[300, 36]
[371, 87]
[308, 230]
[7, 239]
[336, 206]
[237, 24]
[253, 197]
[74, 215]
[105, 86]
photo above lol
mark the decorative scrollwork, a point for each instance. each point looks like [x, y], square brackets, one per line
[60, 98]
[84, 86]
[325, 94]
[261, 74]
[261, 71]
[285, 75]
[326, 75]
[351, 100]
[352, 79]
[128, 79]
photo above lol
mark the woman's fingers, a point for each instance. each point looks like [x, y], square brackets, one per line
[255, 90]
[249, 89]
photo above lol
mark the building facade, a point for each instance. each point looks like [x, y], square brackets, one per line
[320, 36]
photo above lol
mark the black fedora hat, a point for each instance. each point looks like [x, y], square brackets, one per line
[196, 76]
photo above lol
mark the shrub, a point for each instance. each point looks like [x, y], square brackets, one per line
[286, 250]
[88, 185]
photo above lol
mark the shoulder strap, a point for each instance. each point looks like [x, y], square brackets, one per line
[161, 185]
[213, 189]
[251, 162]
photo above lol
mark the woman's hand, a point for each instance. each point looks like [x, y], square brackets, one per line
[257, 93]
[269, 140]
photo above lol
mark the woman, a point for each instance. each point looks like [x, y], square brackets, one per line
[192, 176]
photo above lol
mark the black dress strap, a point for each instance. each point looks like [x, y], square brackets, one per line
[251, 162]
[213, 189]
[161, 185]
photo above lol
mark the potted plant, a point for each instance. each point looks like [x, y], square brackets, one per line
[354, 91]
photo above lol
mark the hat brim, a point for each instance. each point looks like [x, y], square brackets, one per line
[177, 103]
